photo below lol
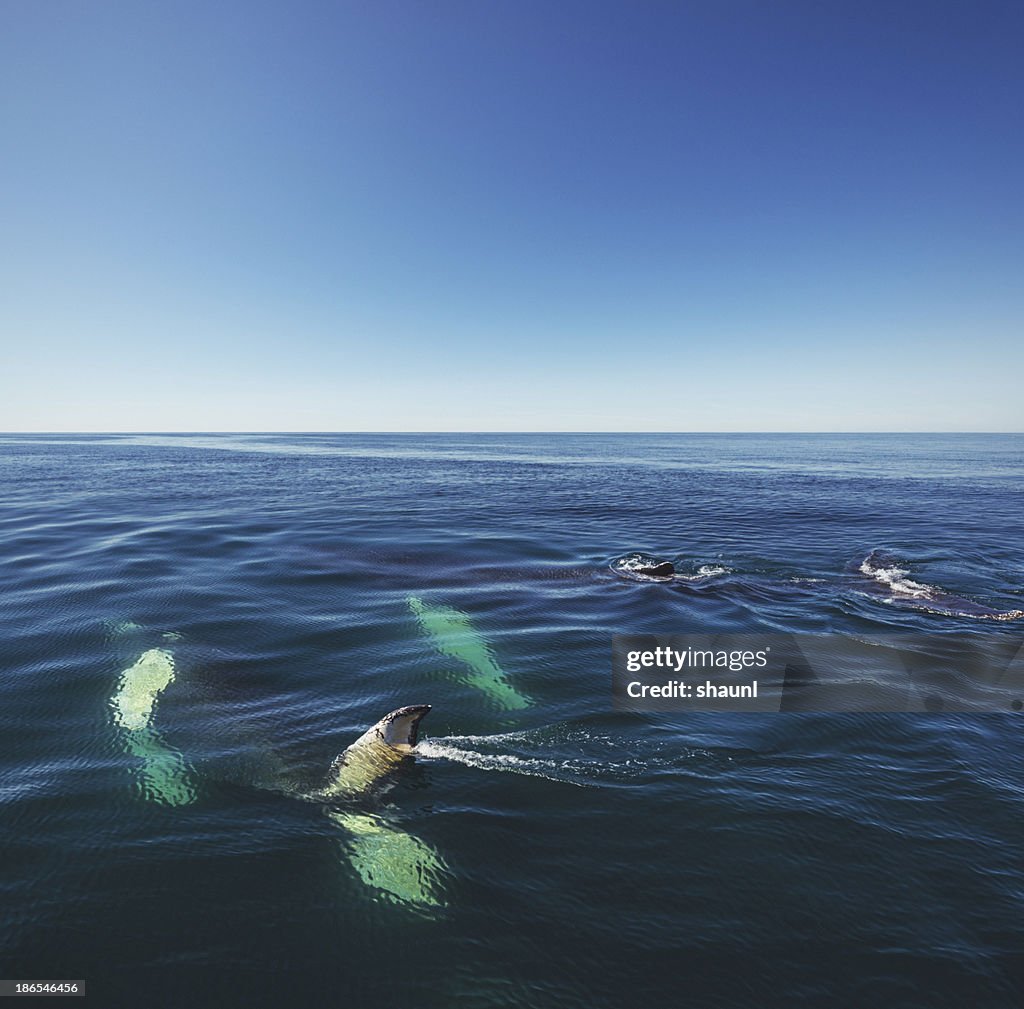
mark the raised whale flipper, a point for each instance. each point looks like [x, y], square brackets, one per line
[452, 634]
[384, 857]
[375, 753]
[163, 774]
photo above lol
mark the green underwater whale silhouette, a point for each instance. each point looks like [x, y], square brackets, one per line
[451, 633]
[162, 773]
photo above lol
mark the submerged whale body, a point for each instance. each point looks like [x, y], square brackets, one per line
[892, 580]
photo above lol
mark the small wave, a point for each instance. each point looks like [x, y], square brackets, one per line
[518, 736]
[979, 614]
[515, 753]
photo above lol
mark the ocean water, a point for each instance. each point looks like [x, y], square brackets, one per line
[162, 839]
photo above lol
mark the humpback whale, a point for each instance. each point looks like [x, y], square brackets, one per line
[397, 865]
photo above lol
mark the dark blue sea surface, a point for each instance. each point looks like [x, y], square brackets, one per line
[573, 856]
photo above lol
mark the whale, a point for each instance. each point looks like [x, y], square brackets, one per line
[399, 867]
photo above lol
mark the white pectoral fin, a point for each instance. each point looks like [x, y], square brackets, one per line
[399, 865]
[452, 634]
[163, 776]
[139, 687]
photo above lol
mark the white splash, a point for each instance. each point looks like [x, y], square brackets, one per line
[705, 571]
[568, 755]
[553, 770]
[895, 579]
[924, 597]
[636, 567]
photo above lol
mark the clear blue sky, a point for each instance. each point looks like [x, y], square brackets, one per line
[722, 215]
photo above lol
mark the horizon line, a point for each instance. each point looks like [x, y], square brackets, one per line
[481, 431]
